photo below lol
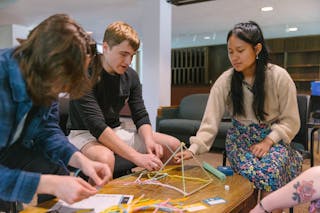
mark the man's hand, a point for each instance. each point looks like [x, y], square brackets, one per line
[262, 148]
[146, 133]
[148, 161]
[154, 148]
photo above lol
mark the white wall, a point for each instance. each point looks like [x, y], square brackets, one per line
[9, 33]
[156, 57]
[5, 36]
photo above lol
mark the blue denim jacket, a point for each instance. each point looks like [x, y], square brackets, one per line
[43, 131]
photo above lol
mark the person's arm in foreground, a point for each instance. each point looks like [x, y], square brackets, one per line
[52, 141]
[21, 186]
[72, 189]
[57, 147]
[304, 188]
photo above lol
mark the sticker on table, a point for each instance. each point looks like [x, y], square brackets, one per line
[214, 200]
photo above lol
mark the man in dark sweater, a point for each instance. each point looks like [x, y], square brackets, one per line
[94, 119]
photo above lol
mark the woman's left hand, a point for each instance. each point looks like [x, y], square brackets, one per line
[262, 148]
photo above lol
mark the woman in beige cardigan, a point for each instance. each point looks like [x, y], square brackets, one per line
[263, 101]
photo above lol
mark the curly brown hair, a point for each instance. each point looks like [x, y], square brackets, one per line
[54, 58]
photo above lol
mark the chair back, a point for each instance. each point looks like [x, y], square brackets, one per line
[193, 106]
[314, 109]
[303, 105]
[63, 112]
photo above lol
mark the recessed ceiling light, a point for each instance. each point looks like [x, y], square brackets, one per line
[206, 37]
[292, 29]
[266, 9]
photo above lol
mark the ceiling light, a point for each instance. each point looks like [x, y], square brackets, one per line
[292, 29]
[266, 9]
[206, 37]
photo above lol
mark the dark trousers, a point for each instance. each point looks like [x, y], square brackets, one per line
[19, 157]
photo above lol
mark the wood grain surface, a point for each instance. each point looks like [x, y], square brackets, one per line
[240, 196]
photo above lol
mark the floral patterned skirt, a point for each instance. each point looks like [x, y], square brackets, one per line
[314, 206]
[278, 167]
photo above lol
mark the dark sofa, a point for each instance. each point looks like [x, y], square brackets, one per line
[183, 121]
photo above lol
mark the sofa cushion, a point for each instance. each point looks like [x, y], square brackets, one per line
[184, 126]
[192, 107]
[223, 129]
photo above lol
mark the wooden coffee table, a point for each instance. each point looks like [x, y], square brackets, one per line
[239, 197]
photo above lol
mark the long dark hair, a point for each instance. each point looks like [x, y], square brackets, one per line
[251, 33]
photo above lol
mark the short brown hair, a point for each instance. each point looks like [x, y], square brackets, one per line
[119, 31]
[52, 59]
